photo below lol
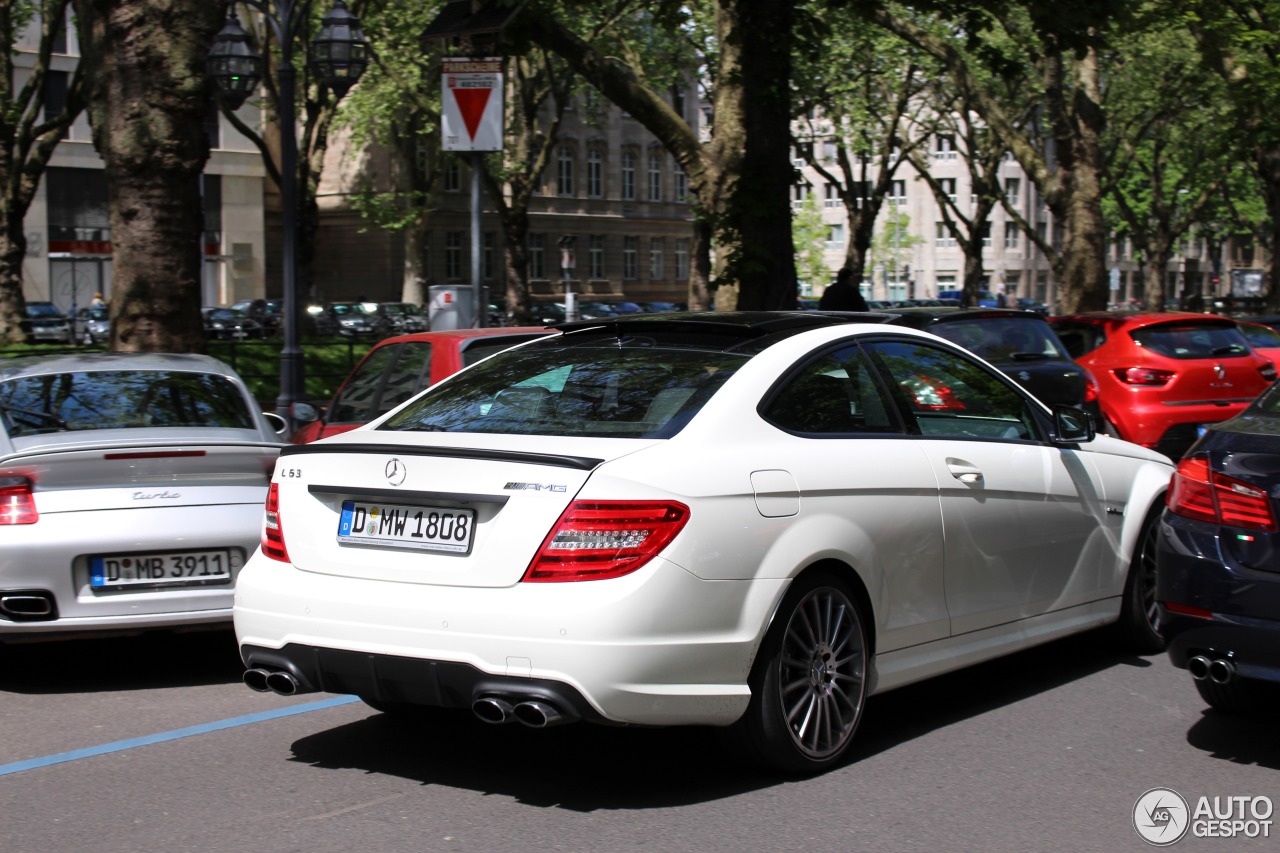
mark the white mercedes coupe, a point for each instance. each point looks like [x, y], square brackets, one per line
[752, 521]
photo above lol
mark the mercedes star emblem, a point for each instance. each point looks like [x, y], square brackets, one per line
[396, 472]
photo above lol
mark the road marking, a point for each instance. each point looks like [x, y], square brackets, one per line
[190, 731]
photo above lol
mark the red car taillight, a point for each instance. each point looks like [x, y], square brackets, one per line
[1198, 492]
[596, 540]
[1090, 388]
[272, 533]
[1144, 376]
[17, 504]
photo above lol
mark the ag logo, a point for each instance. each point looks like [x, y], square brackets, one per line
[1161, 816]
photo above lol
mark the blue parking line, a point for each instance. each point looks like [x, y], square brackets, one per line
[147, 740]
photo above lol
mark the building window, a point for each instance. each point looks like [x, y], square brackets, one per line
[682, 259]
[453, 256]
[682, 185]
[213, 125]
[564, 171]
[1012, 235]
[655, 176]
[452, 177]
[595, 256]
[828, 152]
[835, 236]
[943, 238]
[630, 260]
[946, 147]
[628, 176]
[986, 235]
[898, 192]
[832, 198]
[656, 272]
[1012, 190]
[595, 172]
[948, 187]
[55, 93]
[537, 256]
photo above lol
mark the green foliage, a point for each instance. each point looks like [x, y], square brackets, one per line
[809, 233]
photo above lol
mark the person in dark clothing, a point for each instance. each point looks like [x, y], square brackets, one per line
[843, 295]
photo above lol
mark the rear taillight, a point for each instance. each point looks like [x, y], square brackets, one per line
[272, 533]
[1144, 376]
[595, 540]
[1199, 492]
[17, 503]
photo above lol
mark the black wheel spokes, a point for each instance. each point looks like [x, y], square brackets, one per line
[823, 665]
[1147, 579]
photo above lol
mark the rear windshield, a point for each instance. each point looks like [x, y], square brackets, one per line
[577, 390]
[118, 399]
[1192, 340]
[1011, 339]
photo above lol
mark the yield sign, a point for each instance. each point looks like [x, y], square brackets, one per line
[471, 97]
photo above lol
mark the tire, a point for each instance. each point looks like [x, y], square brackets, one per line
[1139, 624]
[809, 681]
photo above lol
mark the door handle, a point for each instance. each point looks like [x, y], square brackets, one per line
[964, 472]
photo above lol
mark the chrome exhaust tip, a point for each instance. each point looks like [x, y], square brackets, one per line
[493, 710]
[282, 682]
[1198, 666]
[539, 715]
[256, 680]
[1222, 671]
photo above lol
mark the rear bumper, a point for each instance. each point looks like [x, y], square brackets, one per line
[1194, 570]
[1168, 429]
[657, 647]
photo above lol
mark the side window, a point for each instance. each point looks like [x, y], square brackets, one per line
[358, 395]
[409, 375]
[834, 394]
[948, 396]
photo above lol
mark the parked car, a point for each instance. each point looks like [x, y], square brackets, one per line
[45, 323]
[397, 368]
[348, 319]
[227, 324]
[670, 307]
[1020, 343]
[1265, 340]
[1163, 376]
[750, 521]
[1218, 580]
[93, 325]
[269, 313]
[403, 317]
[986, 298]
[131, 489]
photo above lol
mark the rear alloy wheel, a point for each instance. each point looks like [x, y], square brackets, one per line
[809, 684]
[1139, 615]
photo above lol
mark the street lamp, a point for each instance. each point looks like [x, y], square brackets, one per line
[339, 56]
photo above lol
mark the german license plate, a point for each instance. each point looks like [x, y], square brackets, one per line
[181, 568]
[428, 528]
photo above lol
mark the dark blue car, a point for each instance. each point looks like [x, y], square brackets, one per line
[1218, 560]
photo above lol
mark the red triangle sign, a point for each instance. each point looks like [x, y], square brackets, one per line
[471, 103]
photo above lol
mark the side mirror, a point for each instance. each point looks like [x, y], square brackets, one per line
[304, 413]
[1072, 425]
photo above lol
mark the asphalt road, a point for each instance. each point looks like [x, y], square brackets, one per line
[152, 745]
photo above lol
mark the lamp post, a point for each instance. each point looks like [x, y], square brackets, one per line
[339, 55]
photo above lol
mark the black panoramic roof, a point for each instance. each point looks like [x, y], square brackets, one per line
[742, 324]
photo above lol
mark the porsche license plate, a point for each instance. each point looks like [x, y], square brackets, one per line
[184, 568]
[427, 528]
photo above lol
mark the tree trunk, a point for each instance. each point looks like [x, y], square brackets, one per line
[147, 108]
[414, 287]
[1267, 162]
[13, 248]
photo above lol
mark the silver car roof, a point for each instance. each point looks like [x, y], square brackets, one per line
[40, 365]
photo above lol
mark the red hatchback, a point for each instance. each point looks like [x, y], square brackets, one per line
[398, 368]
[1161, 376]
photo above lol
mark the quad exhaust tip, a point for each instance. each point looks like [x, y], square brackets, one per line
[534, 713]
[271, 681]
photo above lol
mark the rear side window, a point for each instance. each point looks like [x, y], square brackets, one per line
[640, 392]
[1005, 339]
[1193, 340]
[389, 376]
[118, 399]
[1080, 339]
[834, 394]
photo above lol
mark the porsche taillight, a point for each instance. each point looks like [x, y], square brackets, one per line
[596, 540]
[17, 503]
[1199, 492]
[272, 533]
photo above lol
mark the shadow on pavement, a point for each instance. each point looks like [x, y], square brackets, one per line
[143, 662]
[587, 768]
[1239, 739]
